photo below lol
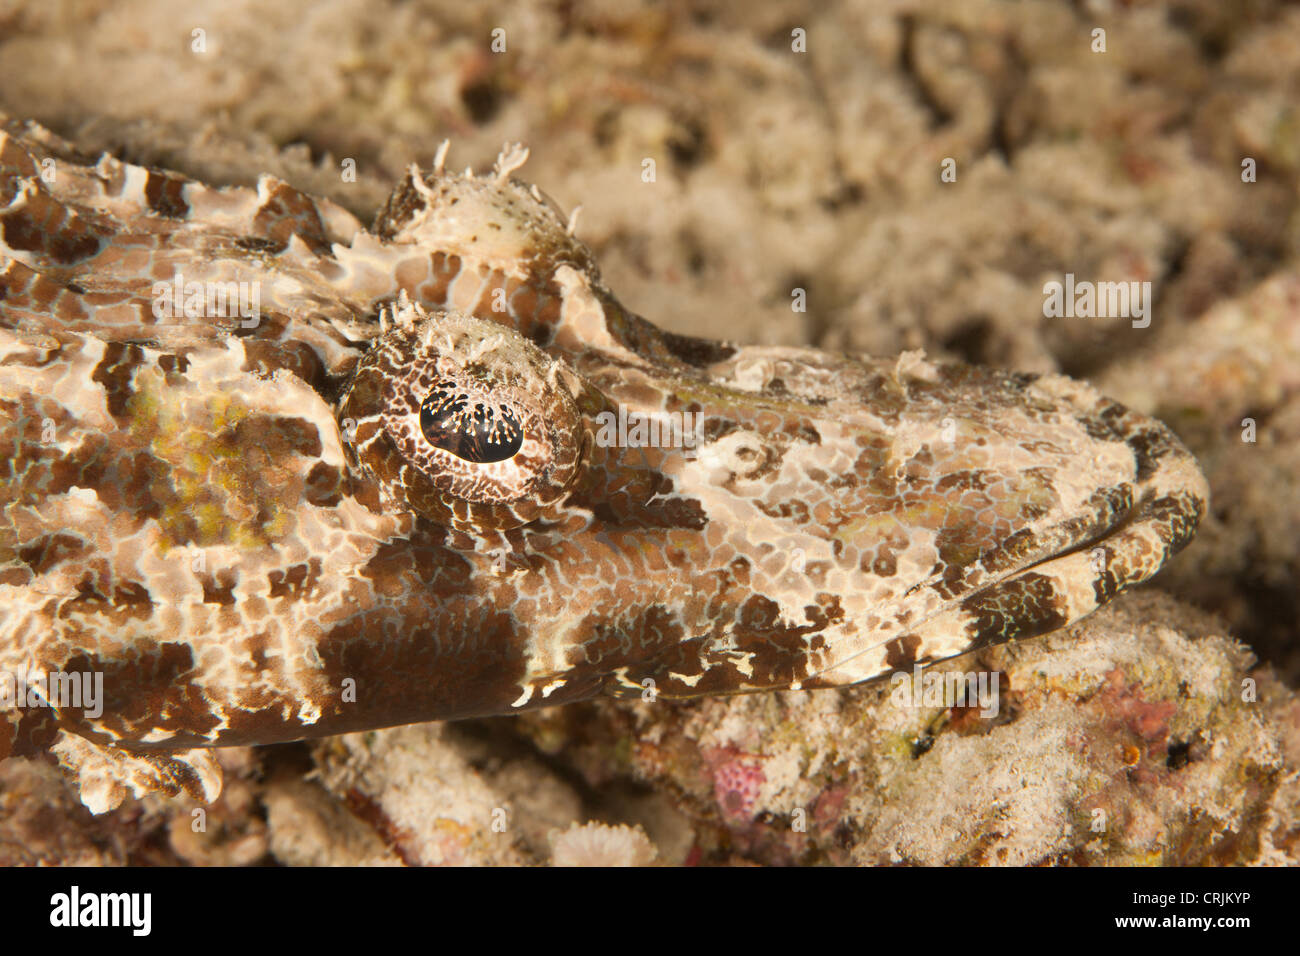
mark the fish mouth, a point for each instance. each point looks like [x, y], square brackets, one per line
[1038, 581]
[1126, 533]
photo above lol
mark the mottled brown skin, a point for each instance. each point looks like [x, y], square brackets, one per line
[247, 526]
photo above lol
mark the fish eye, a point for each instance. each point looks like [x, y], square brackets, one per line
[464, 421]
[473, 428]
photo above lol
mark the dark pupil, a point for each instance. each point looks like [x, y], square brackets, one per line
[469, 428]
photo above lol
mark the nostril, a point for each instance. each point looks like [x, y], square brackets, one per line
[745, 454]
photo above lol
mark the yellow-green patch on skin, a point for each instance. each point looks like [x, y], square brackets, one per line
[204, 471]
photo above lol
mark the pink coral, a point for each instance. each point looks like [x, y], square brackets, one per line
[737, 778]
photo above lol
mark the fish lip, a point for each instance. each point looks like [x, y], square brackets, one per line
[1098, 532]
[1142, 492]
[968, 601]
[1136, 525]
[1120, 520]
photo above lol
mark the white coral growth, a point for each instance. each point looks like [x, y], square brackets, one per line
[597, 844]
